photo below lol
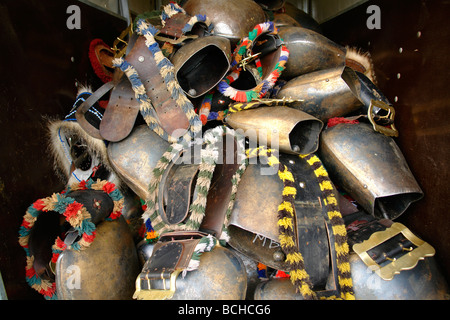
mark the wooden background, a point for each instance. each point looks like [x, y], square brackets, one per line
[411, 55]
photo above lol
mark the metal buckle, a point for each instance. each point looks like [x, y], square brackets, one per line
[120, 45]
[156, 294]
[405, 262]
[247, 60]
[390, 131]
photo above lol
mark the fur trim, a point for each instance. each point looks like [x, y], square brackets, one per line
[360, 61]
[83, 88]
[58, 132]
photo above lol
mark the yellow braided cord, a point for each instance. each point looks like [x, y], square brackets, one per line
[286, 215]
[338, 227]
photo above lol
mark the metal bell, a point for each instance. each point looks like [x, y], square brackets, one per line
[232, 19]
[201, 64]
[370, 167]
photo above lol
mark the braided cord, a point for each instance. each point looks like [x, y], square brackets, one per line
[166, 70]
[338, 226]
[209, 159]
[286, 217]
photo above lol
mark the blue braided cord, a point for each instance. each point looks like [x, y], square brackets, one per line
[148, 225]
[164, 16]
[222, 86]
[75, 176]
[74, 106]
[154, 48]
[266, 86]
[213, 115]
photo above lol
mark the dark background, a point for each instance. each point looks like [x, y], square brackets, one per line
[41, 59]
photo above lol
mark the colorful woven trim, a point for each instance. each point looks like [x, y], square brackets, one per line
[79, 218]
[205, 112]
[209, 158]
[99, 69]
[338, 226]
[241, 106]
[243, 49]
[205, 108]
[166, 69]
[245, 45]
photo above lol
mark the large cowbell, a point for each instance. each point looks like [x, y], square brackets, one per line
[370, 167]
[289, 130]
[232, 19]
[309, 51]
[253, 227]
[104, 271]
[220, 274]
[201, 64]
[134, 158]
[323, 94]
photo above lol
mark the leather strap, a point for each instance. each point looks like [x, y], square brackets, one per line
[312, 235]
[220, 191]
[84, 107]
[120, 115]
[178, 189]
[170, 116]
[174, 25]
[171, 253]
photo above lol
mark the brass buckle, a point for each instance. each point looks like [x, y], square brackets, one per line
[120, 45]
[156, 294]
[405, 262]
[247, 60]
[390, 131]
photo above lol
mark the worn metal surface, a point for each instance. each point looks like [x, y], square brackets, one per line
[292, 131]
[370, 167]
[134, 158]
[221, 276]
[323, 94]
[105, 271]
[232, 19]
[410, 54]
[309, 51]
